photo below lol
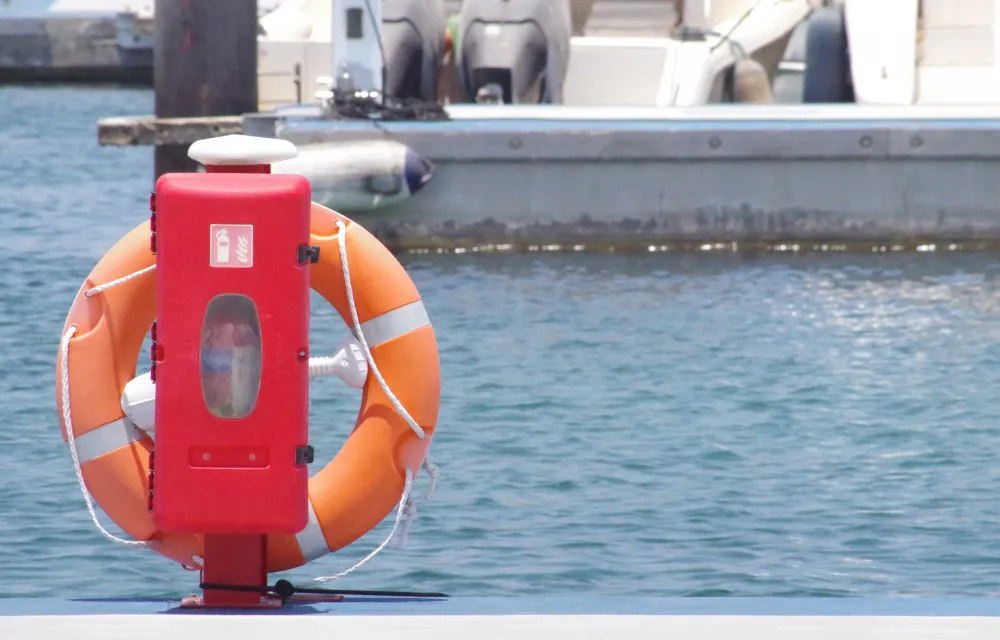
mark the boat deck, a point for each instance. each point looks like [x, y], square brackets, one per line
[524, 618]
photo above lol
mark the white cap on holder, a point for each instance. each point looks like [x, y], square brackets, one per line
[239, 150]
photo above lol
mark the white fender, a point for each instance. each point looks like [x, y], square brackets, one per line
[352, 177]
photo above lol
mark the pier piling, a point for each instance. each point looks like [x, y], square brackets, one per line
[205, 64]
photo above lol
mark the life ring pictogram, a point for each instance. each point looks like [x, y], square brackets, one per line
[356, 490]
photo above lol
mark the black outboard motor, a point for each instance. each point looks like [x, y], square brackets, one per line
[516, 51]
[413, 33]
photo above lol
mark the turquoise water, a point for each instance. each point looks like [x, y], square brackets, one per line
[627, 425]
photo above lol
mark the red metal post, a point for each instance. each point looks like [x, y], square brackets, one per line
[235, 560]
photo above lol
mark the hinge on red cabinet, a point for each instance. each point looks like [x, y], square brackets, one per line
[308, 254]
[149, 498]
[152, 223]
[305, 455]
[152, 352]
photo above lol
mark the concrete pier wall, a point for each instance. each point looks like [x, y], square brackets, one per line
[92, 48]
[693, 180]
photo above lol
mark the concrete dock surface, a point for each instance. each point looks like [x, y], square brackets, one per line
[583, 618]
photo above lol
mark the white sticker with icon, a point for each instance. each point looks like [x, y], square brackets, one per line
[232, 246]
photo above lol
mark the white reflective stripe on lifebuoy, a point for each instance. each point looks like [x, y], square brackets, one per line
[393, 324]
[312, 544]
[379, 330]
[107, 438]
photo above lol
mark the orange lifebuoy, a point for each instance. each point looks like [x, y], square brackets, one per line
[364, 481]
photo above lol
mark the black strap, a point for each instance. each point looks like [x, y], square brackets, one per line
[285, 590]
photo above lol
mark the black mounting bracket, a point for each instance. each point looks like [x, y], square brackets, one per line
[308, 254]
[305, 455]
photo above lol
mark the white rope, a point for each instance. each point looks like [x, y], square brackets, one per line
[396, 404]
[407, 509]
[93, 291]
[410, 510]
[400, 516]
[71, 440]
[432, 473]
[67, 411]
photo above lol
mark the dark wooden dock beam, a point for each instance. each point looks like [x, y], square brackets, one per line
[144, 131]
[204, 64]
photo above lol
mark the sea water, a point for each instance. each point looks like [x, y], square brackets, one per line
[610, 424]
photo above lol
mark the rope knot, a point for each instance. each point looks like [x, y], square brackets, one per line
[409, 514]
